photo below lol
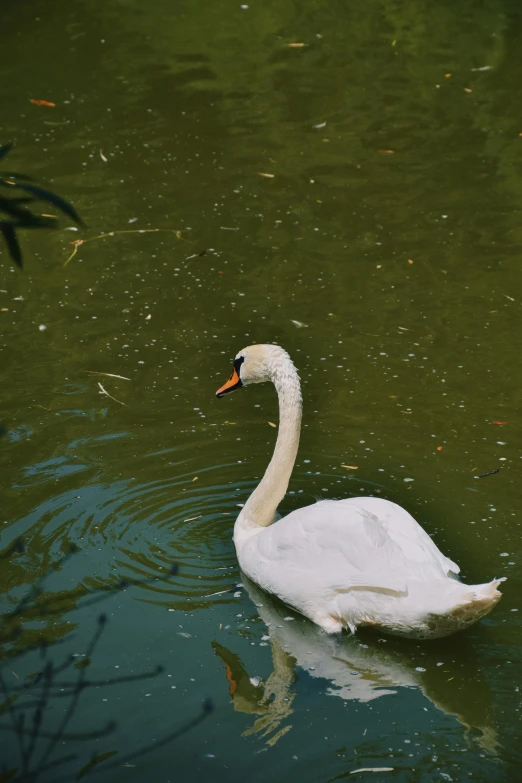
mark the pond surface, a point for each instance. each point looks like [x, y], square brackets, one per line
[344, 179]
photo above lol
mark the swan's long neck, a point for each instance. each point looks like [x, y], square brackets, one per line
[261, 506]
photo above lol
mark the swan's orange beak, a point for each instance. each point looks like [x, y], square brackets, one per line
[233, 383]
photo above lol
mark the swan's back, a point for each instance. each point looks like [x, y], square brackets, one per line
[362, 541]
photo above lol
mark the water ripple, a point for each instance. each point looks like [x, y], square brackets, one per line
[135, 531]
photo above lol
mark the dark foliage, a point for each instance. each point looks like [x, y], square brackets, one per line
[19, 196]
[42, 750]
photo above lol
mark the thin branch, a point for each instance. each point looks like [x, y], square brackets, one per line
[78, 242]
[109, 374]
[76, 694]
[104, 391]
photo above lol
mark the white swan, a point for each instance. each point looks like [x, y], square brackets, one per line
[343, 563]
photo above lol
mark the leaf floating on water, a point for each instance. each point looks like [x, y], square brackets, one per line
[499, 422]
[191, 519]
[299, 324]
[386, 152]
[272, 424]
[350, 467]
[439, 448]
[373, 769]
[296, 45]
[102, 156]
[265, 174]
[195, 478]
[447, 75]
[410, 261]
[467, 89]
[38, 102]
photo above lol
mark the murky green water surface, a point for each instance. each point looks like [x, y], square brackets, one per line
[359, 200]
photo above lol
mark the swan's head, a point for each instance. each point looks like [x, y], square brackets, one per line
[255, 364]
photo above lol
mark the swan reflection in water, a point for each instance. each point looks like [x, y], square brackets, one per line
[359, 667]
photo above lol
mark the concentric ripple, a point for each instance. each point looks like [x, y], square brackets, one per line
[137, 531]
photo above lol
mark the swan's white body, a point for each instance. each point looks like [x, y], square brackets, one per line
[344, 563]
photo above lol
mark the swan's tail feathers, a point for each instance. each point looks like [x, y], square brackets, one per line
[479, 601]
[488, 591]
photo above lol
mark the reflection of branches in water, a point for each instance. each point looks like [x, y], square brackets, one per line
[35, 744]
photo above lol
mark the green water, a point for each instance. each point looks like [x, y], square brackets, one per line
[384, 253]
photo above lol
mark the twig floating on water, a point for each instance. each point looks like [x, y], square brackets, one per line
[491, 472]
[79, 242]
[109, 374]
[104, 391]
[221, 592]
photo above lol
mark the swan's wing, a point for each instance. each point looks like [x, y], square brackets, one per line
[339, 546]
[402, 528]
[325, 548]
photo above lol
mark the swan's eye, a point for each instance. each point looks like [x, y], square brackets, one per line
[234, 382]
[237, 364]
